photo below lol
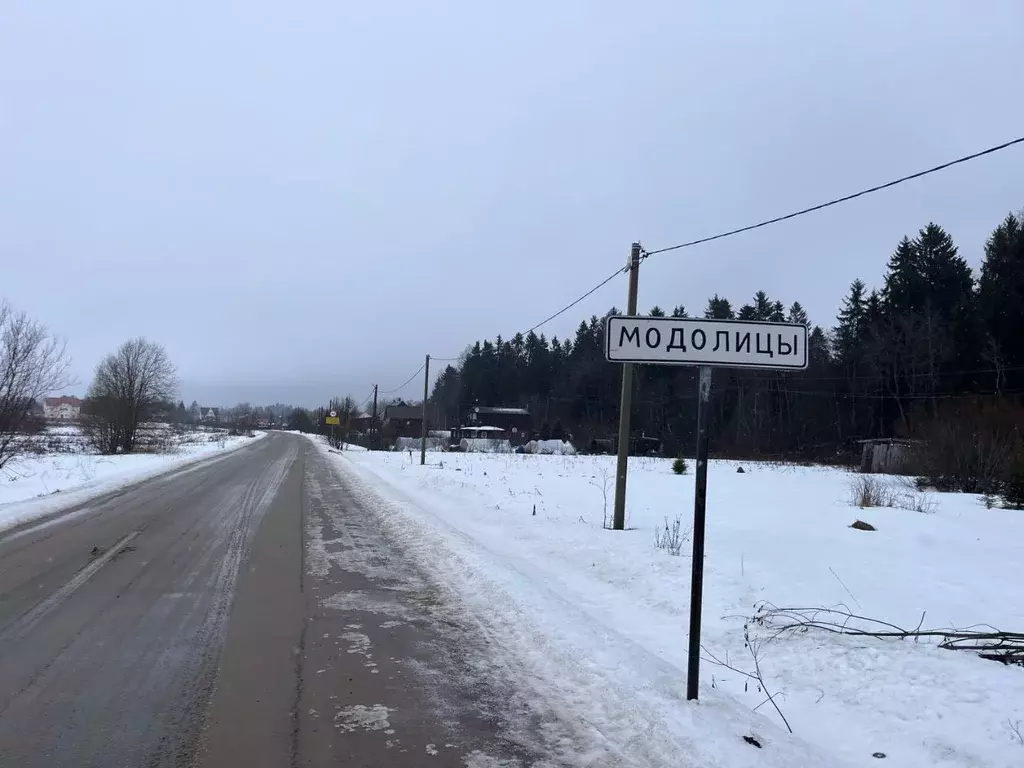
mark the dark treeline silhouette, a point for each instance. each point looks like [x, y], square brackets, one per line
[933, 344]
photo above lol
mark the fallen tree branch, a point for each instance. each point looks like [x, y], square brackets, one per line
[984, 640]
[754, 647]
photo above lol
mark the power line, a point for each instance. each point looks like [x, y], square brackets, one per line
[567, 307]
[400, 386]
[838, 200]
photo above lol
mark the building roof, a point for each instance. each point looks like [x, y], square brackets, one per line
[54, 402]
[404, 412]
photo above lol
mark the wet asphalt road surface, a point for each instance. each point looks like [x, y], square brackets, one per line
[248, 611]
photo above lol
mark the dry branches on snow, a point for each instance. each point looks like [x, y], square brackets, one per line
[986, 641]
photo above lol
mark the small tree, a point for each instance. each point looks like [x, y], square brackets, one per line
[679, 466]
[1013, 491]
[33, 363]
[126, 389]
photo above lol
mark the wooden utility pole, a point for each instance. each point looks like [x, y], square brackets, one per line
[373, 420]
[423, 428]
[619, 517]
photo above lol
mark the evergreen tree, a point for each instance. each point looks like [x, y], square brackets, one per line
[679, 311]
[657, 311]
[849, 333]
[1001, 300]
[905, 287]
[719, 309]
[797, 314]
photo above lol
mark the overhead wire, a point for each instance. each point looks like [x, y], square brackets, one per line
[404, 383]
[838, 200]
[645, 253]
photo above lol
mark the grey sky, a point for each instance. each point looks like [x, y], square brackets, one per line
[301, 199]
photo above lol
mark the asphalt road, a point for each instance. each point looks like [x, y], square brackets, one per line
[250, 610]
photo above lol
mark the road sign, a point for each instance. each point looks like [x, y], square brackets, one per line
[697, 341]
[709, 344]
[332, 420]
[333, 414]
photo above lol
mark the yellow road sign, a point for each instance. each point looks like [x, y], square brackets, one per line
[333, 420]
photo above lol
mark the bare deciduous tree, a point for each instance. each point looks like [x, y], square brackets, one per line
[33, 363]
[126, 389]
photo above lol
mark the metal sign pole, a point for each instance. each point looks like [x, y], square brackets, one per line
[699, 505]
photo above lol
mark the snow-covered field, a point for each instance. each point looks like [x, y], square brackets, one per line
[599, 618]
[37, 485]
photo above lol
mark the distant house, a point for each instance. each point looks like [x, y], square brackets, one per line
[209, 415]
[361, 422]
[63, 408]
[514, 421]
[407, 420]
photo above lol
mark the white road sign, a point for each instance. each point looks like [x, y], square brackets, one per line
[696, 341]
[333, 414]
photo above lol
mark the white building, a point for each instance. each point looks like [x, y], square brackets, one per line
[63, 408]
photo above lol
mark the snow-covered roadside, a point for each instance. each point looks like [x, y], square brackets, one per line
[599, 618]
[37, 486]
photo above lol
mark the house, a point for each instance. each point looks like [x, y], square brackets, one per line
[403, 420]
[514, 421]
[208, 415]
[361, 422]
[63, 408]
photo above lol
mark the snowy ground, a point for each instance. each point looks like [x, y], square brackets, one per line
[37, 485]
[598, 619]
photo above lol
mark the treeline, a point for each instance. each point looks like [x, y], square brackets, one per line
[932, 345]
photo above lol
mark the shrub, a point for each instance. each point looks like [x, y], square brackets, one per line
[1013, 490]
[679, 466]
[868, 491]
[670, 536]
[970, 446]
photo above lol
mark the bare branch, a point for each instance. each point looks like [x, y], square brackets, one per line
[33, 363]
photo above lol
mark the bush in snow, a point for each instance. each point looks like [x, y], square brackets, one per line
[670, 536]
[867, 491]
[679, 466]
[1013, 490]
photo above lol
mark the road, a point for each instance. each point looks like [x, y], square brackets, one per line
[250, 610]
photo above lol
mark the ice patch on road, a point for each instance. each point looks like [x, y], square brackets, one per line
[359, 643]
[478, 759]
[372, 718]
[361, 601]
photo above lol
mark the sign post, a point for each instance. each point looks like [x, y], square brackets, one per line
[688, 341]
[333, 420]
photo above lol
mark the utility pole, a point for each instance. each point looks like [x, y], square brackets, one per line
[619, 517]
[423, 428]
[373, 420]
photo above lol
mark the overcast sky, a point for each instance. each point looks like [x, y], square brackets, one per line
[302, 199]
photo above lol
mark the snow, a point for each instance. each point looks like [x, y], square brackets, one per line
[35, 486]
[597, 619]
[550, 447]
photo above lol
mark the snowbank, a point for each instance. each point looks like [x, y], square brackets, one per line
[36, 486]
[483, 445]
[597, 620]
[413, 444]
[550, 448]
